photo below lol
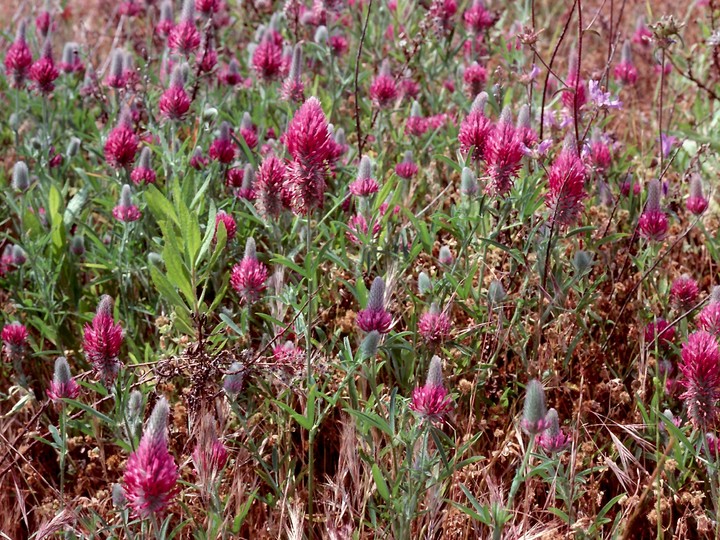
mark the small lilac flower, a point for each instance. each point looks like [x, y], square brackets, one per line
[63, 385]
[602, 100]
[151, 474]
[431, 401]
[667, 143]
[374, 316]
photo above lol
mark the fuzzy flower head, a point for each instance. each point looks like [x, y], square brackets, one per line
[534, 411]
[475, 129]
[184, 38]
[696, 203]
[416, 123]
[269, 183]
[700, 367]
[293, 89]
[102, 341]
[431, 401]
[477, 18]
[210, 454]
[62, 385]
[503, 155]
[223, 148]
[175, 103]
[71, 62]
[228, 222]
[407, 168]
[247, 186]
[684, 292]
[626, 72]
[151, 474]
[474, 78]
[248, 277]
[374, 316]
[267, 59]
[20, 176]
[661, 331]
[14, 337]
[653, 222]
[288, 356]
[434, 325]
[383, 90]
[566, 188]
[144, 172]
[552, 440]
[125, 210]
[122, 143]
[18, 58]
[309, 143]
[709, 318]
[364, 185]
[468, 183]
[44, 72]
[166, 22]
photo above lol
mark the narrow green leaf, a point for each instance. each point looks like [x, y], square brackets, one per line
[380, 483]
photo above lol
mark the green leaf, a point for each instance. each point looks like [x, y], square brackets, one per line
[88, 409]
[75, 206]
[224, 317]
[159, 206]
[305, 422]
[380, 483]
[177, 272]
[371, 419]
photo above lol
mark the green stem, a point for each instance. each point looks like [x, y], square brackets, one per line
[63, 451]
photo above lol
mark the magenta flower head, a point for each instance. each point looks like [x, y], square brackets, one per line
[566, 187]
[552, 440]
[374, 316]
[228, 222]
[383, 90]
[122, 143]
[247, 187]
[431, 401]
[364, 185]
[223, 148]
[709, 317]
[62, 385]
[14, 337]
[576, 92]
[125, 210]
[661, 331]
[269, 184]
[475, 77]
[167, 21]
[684, 292]
[267, 59]
[503, 154]
[653, 223]
[293, 89]
[534, 411]
[210, 454]
[18, 58]
[43, 72]
[416, 123]
[696, 203]
[434, 325]
[144, 173]
[184, 38]
[643, 35]
[626, 72]
[102, 341]
[308, 141]
[197, 160]
[151, 474]
[71, 62]
[248, 131]
[407, 168]
[116, 74]
[700, 367]
[249, 275]
[175, 103]
[477, 18]
[288, 356]
[475, 129]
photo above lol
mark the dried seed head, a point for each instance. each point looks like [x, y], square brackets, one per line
[20, 176]
[364, 169]
[376, 298]
[434, 375]
[653, 196]
[250, 249]
[424, 284]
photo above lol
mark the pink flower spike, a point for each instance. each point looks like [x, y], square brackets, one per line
[102, 341]
[374, 316]
[700, 367]
[229, 223]
[150, 480]
[696, 203]
[62, 385]
[14, 337]
[223, 149]
[125, 210]
[249, 275]
[122, 143]
[18, 58]
[503, 155]
[184, 38]
[43, 72]
[431, 401]
[434, 325]
[684, 292]
[407, 168]
[566, 187]
[552, 440]
[364, 185]
[653, 223]
[175, 103]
